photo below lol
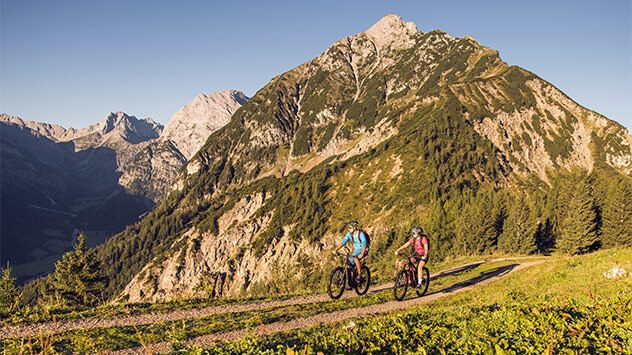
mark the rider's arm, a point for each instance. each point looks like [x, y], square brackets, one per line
[344, 241]
[402, 247]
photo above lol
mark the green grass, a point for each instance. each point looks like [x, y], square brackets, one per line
[30, 315]
[40, 315]
[561, 306]
[115, 338]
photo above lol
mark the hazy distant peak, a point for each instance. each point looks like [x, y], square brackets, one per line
[50, 131]
[6, 118]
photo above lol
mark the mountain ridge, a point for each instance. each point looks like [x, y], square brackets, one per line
[270, 188]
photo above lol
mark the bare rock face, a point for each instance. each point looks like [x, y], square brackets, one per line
[152, 169]
[223, 266]
[189, 128]
[391, 30]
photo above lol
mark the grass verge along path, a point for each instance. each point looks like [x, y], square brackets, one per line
[113, 338]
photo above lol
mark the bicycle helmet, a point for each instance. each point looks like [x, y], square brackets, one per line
[417, 231]
[353, 224]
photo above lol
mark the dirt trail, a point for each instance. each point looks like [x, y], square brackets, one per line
[52, 328]
[207, 340]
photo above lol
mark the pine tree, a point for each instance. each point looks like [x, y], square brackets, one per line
[480, 227]
[8, 291]
[617, 215]
[544, 237]
[518, 230]
[578, 227]
[77, 279]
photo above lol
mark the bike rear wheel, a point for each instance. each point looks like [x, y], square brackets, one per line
[425, 282]
[401, 285]
[365, 280]
[336, 285]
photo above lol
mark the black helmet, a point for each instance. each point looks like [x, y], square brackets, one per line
[353, 224]
[417, 231]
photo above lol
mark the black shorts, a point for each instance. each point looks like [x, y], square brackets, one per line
[417, 257]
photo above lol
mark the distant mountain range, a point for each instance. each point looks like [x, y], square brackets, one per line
[97, 179]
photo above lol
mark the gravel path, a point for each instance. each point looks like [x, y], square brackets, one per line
[53, 328]
[207, 340]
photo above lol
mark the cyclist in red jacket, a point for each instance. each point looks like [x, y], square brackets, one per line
[420, 255]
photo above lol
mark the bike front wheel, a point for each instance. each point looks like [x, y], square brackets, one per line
[425, 282]
[401, 285]
[336, 285]
[365, 280]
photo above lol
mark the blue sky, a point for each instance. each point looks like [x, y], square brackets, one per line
[72, 62]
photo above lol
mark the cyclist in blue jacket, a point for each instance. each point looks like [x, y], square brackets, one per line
[358, 237]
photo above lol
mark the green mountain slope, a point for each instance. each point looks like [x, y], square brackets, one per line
[393, 127]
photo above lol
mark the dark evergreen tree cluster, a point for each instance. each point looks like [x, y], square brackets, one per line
[617, 214]
[8, 292]
[577, 213]
[77, 278]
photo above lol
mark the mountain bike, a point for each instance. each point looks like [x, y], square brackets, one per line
[407, 276]
[347, 273]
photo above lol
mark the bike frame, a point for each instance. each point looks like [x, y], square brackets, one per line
[412, 271]
[347, 265]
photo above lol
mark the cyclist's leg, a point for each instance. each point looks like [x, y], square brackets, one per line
[420, 269]
[418, 259]
[357, 255]
[357, 264]
[412, 259]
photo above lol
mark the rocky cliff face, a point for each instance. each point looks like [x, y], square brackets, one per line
[554, 132]
[386, 126]
[189, 128]
[154, 168]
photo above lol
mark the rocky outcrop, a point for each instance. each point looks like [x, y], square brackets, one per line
[391, 30]
[189, 128]
[154, 168]
[554, 133]
[222, 266]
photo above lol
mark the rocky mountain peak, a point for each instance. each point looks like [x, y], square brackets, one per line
[189, 128]
[391, 29]
[144, 129]
[10, 119]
